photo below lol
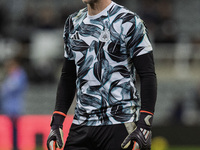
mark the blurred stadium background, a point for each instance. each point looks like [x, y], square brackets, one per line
[32, 31]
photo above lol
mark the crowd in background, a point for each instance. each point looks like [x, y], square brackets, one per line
[24, 19]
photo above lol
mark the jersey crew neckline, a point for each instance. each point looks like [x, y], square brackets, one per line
[92, 17]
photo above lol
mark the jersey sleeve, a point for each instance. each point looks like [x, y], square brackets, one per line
[68, 53]
[136, 37]
[141, 52]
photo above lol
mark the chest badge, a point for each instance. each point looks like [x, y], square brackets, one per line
[105, 36]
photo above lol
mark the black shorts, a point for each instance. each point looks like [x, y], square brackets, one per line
[107, 137]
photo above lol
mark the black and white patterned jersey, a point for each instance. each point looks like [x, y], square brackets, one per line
[103, 47]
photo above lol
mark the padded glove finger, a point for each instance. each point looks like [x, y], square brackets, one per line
[141, 136]
[52, 145]
[57, 136]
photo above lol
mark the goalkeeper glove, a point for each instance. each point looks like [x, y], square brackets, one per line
[55, 138]
[141, 135]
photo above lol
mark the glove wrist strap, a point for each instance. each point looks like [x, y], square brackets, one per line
[146, 119]
[57, 119]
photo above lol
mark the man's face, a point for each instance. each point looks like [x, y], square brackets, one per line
[90, 1]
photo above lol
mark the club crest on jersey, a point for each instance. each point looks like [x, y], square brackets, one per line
[105, 36]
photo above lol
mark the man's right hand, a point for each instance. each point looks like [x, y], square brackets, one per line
[55, 138]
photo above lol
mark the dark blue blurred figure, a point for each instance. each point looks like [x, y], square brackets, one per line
[12, 93]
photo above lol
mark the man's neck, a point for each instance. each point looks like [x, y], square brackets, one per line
[95, 8]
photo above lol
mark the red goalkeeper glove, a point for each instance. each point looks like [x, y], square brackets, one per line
[55, 138]
[141, 135]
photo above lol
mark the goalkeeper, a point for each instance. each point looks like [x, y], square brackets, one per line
[105, 45]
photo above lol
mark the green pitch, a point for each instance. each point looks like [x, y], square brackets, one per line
[183, 148]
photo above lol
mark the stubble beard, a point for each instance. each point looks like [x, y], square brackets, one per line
[90, 1]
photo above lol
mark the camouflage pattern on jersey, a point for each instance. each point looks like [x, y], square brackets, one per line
[103, 47]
